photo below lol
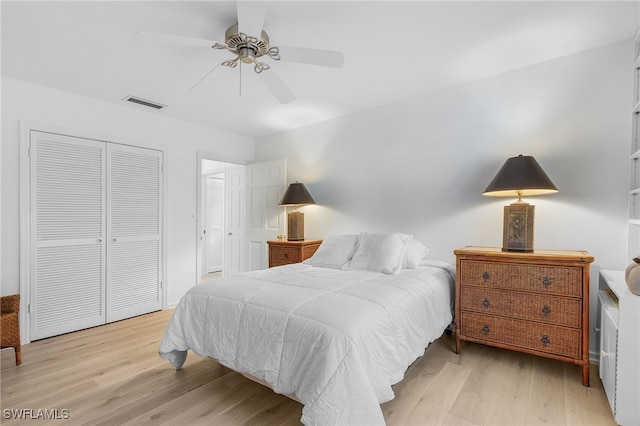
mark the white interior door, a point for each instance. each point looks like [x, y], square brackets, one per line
[67, 234]
[235, 214]
[134, 224]
[214, 222]
[266, 183]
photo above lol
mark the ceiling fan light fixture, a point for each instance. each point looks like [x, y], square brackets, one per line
[247, 54]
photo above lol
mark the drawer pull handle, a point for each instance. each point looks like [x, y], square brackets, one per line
[485, 276]
[485, 329]
[545, 340]
[285, 255]
[546, 310]
[546, 281]
[485, 303]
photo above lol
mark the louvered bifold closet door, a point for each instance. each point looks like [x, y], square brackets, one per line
[67, 234]
[133, 231]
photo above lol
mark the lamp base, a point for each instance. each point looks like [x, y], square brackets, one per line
[517, 230]
[295, 226]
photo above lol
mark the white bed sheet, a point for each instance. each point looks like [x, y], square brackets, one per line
[336, 339]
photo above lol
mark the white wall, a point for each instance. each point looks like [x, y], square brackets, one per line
[420, 166]
[22, 101]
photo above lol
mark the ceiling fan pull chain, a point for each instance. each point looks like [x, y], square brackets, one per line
[205, 76]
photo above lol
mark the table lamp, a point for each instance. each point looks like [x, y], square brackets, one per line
[296, 195]
[521, 175]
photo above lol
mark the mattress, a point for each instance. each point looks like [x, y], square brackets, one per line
[337, 340]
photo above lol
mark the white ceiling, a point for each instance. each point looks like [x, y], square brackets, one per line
[393, 50]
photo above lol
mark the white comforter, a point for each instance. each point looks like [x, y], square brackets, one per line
[336, 339]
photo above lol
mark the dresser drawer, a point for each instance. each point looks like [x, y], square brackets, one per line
[285, 254]
[565, 280]
[529, 335]
[544, 308]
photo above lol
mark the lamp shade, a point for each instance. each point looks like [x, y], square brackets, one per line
[295, 195]
[521, 175]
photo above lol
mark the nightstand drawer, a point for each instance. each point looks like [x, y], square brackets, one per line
[544, 308]
[285, 254]
[288, 252]
[513, 276]
[534, 336]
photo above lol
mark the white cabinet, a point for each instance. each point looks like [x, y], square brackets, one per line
[619, 337]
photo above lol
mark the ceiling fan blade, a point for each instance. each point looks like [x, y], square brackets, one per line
[303, 55]
[181, 40]
[277, 86]
[251, 17]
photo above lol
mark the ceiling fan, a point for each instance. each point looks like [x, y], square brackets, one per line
[248, 41]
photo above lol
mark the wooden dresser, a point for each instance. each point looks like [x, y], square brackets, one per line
[535, 302]
[286, 252]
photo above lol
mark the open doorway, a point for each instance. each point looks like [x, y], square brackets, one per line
[212, 222]
[214, 211]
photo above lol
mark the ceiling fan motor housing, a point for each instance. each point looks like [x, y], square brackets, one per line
[242, 43]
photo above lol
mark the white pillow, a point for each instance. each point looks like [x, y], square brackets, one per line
[416, 251]
[379, 252]
[335, 251]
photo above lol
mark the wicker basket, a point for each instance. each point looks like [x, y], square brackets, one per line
[10, 324]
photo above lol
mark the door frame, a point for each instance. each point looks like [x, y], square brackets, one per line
[26, 127]
[204, 155]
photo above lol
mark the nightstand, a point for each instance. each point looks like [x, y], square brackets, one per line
[536, 302]
[286, 252]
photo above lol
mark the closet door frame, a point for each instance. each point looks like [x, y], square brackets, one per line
[26, 127]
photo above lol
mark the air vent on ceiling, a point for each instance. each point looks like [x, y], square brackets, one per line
[144, 102]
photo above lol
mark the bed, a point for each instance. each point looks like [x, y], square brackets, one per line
[335, 332]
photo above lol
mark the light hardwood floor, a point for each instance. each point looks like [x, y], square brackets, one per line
[112, 375]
